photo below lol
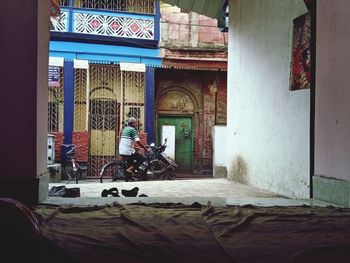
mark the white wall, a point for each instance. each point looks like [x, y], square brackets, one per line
[268, 125]
[219, 149]
[332, 135]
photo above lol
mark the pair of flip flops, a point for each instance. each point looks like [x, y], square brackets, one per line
[113, 192]
[127, 193]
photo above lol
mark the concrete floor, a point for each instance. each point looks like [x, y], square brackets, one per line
[218, 191]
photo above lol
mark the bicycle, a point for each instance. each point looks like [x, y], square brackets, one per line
[156, 163]
[72, 169]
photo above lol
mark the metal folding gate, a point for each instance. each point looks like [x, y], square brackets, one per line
[114, 96]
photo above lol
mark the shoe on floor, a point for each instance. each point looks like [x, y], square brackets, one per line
[72, 192]
[113, 191]
[130, 193]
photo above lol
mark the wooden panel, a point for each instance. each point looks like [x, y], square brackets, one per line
[102, 143]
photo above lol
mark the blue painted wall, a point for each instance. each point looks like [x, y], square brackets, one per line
[105, 53]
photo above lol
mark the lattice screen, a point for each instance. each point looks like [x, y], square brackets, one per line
[134, 6]
[113, 25]
[133, 97]
[103, 115]
[64, 3]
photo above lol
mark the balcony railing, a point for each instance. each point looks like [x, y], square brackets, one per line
[131, 6]
[102, 23]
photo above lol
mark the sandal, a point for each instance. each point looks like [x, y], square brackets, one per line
[113, 191]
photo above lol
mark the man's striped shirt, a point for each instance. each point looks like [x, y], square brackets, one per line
[128, 137]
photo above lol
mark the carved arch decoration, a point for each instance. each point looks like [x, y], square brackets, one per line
[176, 100]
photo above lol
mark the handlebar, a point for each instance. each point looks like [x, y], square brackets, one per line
[70, 152]
[159, 147]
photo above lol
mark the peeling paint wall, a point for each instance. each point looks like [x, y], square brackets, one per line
[268, 125]
[190, 30]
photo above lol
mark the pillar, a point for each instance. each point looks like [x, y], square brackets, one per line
[68, 102]
[149, 98]
[23, 100]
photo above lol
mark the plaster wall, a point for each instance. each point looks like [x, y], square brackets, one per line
[190, 30]
[267, 123]
[24, 81]
[332, 123]
[219, 134]
[43, 37]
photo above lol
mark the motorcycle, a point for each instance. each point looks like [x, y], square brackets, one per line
[156, 164]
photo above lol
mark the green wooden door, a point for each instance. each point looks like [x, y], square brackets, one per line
[183, 139]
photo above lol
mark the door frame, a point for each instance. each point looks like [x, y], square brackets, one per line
[193, 128]
[196, 115]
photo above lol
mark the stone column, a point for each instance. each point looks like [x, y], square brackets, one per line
[23, 101]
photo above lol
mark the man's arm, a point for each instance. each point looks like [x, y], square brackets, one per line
[141, 145]
[138, 140]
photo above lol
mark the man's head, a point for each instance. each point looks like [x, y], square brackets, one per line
[132, 121]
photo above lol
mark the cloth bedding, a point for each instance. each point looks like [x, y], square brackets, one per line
[170, 232]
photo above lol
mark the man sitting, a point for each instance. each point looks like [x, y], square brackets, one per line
[126, 146]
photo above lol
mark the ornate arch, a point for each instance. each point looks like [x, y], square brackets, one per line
[175, 100]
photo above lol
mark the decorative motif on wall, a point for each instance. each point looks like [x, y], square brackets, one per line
[300, 76]
[116, 26]
[176, 101]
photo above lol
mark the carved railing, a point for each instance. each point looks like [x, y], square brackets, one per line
[113, 24]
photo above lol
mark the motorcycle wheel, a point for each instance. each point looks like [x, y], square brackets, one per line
[168, 174]
[161, 171]
[157, 167]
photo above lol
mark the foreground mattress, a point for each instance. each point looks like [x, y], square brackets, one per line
[178, 233]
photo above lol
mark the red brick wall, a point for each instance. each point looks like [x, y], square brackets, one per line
[178, 31]
[58, 141]
[221, 106]
[81, 141]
